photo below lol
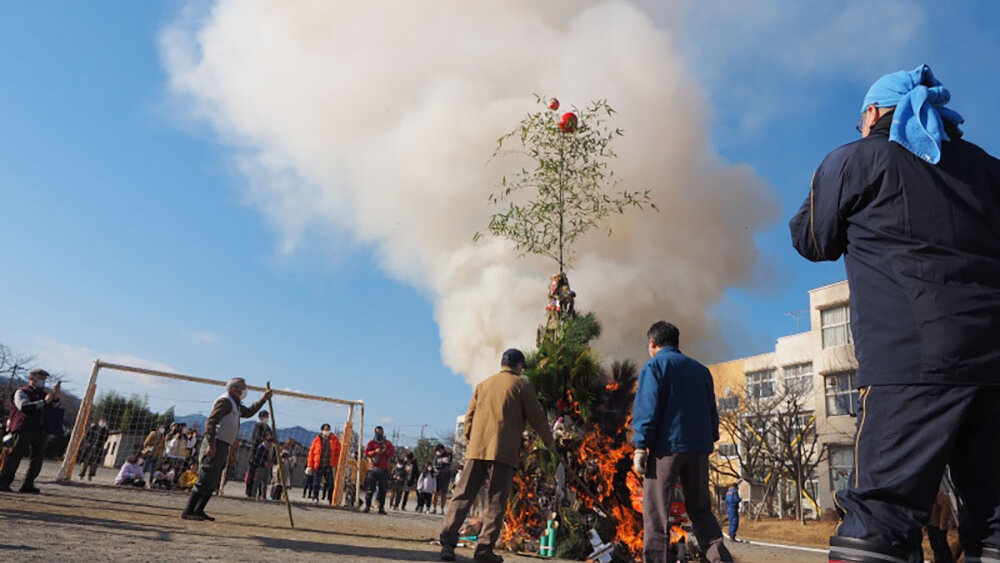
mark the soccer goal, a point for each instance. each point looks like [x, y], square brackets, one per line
[124, 407]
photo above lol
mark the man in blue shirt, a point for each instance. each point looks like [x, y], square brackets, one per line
[676, 425]
[733, 510]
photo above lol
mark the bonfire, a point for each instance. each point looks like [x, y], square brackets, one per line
[591, 484]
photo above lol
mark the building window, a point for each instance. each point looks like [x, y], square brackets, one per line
[841, 465]
[798, 378]
[841, 394]
[727, 450]
[760, 384]
[836, 322]
[729, 404]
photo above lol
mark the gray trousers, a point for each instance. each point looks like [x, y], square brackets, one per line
[662, 473]
[473, 476]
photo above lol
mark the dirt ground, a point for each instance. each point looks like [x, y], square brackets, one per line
[99, 522]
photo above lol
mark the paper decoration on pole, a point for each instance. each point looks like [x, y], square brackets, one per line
[567, 123]
[553, 104]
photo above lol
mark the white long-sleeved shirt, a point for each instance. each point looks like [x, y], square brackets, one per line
[426, 483]
[129, 470]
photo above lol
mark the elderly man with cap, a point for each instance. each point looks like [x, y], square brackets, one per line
[914, 209]
[221, 430]
[27, 426]
[500, 407]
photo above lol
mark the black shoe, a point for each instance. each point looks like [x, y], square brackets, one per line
[447, 552]
[206, 517]
[382, 511]
[486, 556]
[193, 516]
[28, 489]
[367, 509]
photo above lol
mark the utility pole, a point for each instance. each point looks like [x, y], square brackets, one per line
[798, 318]
[422, 427]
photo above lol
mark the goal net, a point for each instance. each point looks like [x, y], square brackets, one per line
[125, 407]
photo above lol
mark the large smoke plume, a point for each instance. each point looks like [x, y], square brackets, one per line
[377, 120]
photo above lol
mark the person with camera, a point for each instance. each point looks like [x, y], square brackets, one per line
[26, 430]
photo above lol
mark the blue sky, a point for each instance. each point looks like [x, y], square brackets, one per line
[125, 230]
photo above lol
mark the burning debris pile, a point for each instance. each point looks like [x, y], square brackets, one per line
[591, 485]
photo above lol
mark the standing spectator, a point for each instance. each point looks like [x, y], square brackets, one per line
[397, 481]
[426, 486]
[177, 448]
[92, 452]
[324, 454]
[260, 431]
[733, 510]
[281, 474]
[378, 451]
[500, 408]
[412, 473]
[676, 426]
[263, 459]
[221, 430]
[188, 478]
[131, 473]
[442, 471]
[153, 449]
[27, 424]
[191, 448]
[913, 207]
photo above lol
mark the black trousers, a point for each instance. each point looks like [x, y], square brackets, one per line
[906, 436]
[662, 474]
[377, 478]
[25, 442]
[323, 476]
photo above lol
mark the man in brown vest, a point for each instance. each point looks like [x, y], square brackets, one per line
[27, 424]
[498, 412]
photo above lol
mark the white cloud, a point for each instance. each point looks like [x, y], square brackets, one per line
[76, 362]
[202, 337]
[377, 120]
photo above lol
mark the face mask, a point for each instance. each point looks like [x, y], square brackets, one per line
[38, 384]
[162, 430]
[102, 424]
[325, 433]
[243, 394]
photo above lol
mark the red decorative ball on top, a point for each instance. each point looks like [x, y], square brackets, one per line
[553, 104]
[567, 123]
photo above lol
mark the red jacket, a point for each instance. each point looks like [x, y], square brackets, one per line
[379, 459]
[316, 449]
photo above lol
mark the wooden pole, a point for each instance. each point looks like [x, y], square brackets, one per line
[79, 426]
[345, 451]
[277, 456]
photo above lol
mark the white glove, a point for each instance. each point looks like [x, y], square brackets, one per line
[639, 462]
[309, 471]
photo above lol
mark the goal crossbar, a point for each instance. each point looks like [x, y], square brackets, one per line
[83, 414]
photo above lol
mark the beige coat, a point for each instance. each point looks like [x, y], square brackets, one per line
[498, 412]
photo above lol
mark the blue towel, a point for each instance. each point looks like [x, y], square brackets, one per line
[918, 122]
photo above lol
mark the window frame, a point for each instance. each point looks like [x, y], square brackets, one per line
[763, 383]
[836, 327]
[835, 393]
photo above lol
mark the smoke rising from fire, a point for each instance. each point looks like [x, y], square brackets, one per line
[377, 120]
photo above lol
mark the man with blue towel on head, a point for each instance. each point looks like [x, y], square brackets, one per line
[915, 210]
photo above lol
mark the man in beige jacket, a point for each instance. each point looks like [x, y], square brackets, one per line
[500, 407]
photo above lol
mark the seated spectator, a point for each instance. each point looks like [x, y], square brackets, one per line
[131, 473]
[188, 478]
[164, 476]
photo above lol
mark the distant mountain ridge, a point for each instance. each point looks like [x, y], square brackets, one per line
[301, 435]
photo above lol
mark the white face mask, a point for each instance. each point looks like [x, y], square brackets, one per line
[325, 433]
[243, 394]
[102, 424]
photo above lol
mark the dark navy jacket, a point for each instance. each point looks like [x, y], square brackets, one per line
[921, 245]
[675, 408]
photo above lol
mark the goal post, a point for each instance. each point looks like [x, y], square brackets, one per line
[300, 407]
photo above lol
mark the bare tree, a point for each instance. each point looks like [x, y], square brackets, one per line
[797, 451]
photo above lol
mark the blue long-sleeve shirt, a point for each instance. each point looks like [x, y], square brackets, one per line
[675, 407]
